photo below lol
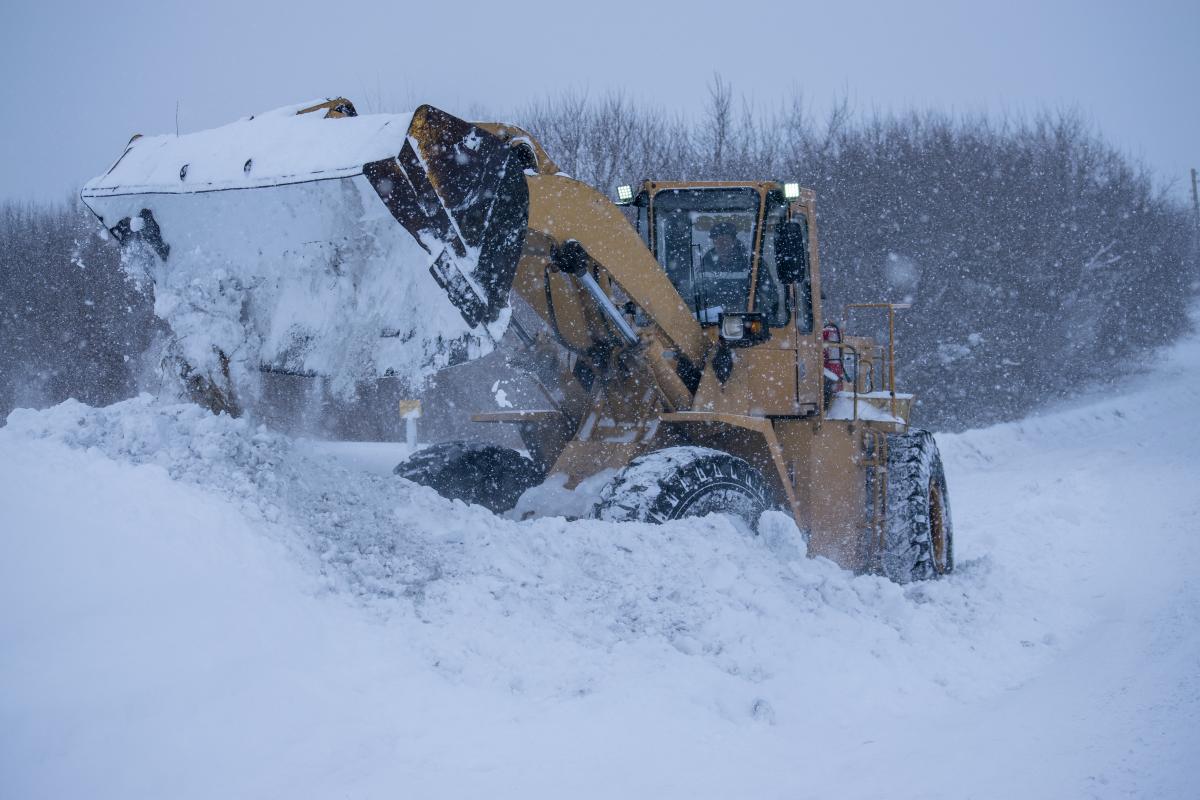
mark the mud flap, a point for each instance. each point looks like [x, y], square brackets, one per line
[461, 192]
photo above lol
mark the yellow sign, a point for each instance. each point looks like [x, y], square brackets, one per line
[410, 408]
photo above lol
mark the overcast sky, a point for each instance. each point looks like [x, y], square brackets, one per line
[78, 78]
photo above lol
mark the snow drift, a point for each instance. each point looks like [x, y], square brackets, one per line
[197, 607]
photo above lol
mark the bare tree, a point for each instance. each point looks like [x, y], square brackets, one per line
[718, 124]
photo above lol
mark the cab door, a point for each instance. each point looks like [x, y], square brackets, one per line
[789, 361]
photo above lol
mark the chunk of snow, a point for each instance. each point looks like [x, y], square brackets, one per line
[500, 396]
[843, 407]
[551, 498]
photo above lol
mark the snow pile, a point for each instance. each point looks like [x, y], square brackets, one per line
[196, 607]
[553, 499]
[378, 538]
[348, 523]
[846, 405]
[316, 278]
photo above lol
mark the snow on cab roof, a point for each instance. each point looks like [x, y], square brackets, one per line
[277, 147]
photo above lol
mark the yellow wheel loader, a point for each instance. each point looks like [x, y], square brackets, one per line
[675, 335]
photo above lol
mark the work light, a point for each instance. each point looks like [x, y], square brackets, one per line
[731, 327]
[743, 329]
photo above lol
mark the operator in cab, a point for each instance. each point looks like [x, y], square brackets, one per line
[725, 269]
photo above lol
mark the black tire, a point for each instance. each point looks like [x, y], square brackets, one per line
[483, 474]
[678, 482]
[919, 535]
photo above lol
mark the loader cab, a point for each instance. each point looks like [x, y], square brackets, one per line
[718, 243]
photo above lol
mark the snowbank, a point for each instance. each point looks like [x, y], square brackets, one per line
[195, 607]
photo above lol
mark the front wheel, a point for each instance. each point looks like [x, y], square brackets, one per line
[919, 541]
[678, 482]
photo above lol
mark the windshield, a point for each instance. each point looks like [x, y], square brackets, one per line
[704, 239]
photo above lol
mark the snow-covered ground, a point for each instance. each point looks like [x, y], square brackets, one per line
[193, 607]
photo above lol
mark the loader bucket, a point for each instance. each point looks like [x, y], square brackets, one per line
[268, 246]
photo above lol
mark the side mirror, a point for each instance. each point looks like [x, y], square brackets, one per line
[791, 256]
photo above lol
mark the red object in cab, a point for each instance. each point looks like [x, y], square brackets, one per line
[832, 334]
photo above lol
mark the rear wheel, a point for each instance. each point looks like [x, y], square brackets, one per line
[678, 482]
[919, 535]
[483, 474]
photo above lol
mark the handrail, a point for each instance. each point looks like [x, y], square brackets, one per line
[891, 360]
[857, 363]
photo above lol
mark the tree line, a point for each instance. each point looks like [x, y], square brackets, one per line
[72, 323]
[1038, 258]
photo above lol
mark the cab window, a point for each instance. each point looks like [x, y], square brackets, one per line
[704, 239]
[803, 293]
[770, 296]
